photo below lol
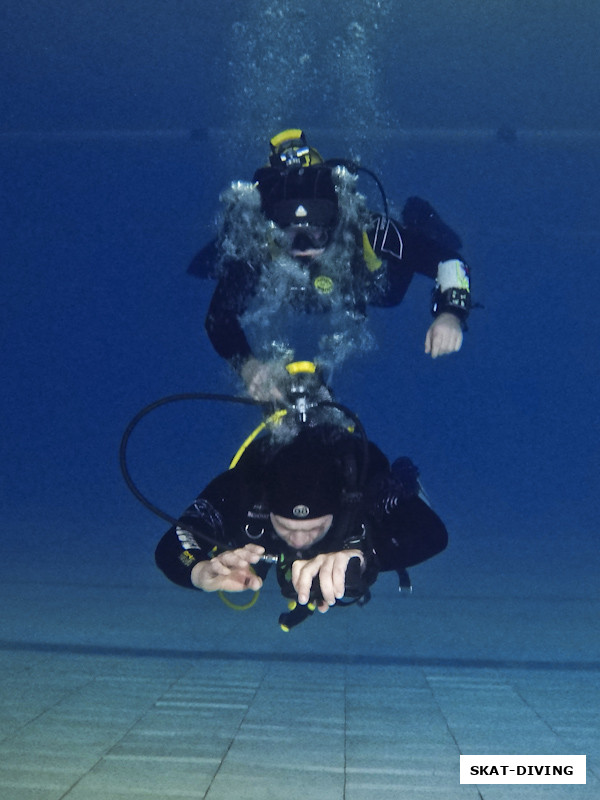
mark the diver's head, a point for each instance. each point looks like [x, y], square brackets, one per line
[298, 194]
[300, 534]
[304, 486]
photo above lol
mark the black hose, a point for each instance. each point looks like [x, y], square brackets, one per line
[131, 485]
[353, 167]
[133, 424]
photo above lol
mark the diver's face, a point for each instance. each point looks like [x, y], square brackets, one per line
[301, 533]
[306, 241]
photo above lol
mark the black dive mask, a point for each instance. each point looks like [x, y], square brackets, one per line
[306, 239]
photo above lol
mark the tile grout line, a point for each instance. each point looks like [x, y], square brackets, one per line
[123, 734]
[447, 724]
[346, 658]
[549, 725]
[67, 694]
[345, 732]
[233, 738]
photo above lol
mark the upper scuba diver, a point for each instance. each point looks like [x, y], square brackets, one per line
[300, 238]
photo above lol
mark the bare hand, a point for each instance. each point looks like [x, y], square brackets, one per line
[263, 379]
[230, 571]
[444, 335]
[331, 569]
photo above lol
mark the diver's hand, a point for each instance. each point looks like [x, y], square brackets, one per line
[230, 571]
[444, 335]
[263, 378]
[331, 569]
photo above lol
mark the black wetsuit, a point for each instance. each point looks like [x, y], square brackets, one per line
[392, 526]
[385, 261]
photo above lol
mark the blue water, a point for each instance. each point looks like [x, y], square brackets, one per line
[121, 126]
[121, 122]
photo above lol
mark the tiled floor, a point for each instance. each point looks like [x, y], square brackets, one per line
[110, 692]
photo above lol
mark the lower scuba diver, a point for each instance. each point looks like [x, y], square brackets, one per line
[299, 239]
[323, 507]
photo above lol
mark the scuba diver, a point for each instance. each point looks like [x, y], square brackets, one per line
[300, 239]
[322, 505]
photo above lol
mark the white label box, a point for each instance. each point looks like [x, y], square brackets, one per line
[522, 769]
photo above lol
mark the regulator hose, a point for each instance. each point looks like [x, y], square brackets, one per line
[174, 398]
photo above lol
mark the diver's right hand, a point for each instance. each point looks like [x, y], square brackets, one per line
[263, 379]
[444, 336]
[230, 571]
[331, 571]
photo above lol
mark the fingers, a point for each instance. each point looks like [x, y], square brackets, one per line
[231, 579]
[250, 581]
[262, 379]
[236, 559]
[331, 569]
[264, 392]
[332, 578]
[303, 573]
[253, 552]
[230, 571]
[239, 580]
[443, 337]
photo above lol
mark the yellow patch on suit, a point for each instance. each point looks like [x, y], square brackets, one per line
[371, 260]
[323, 284]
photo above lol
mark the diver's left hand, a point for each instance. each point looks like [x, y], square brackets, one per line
[331, 569]
[444, 335]
[264, 379]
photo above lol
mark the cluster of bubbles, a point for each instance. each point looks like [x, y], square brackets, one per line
[289, 62]
[276, 321]
[245, 231]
